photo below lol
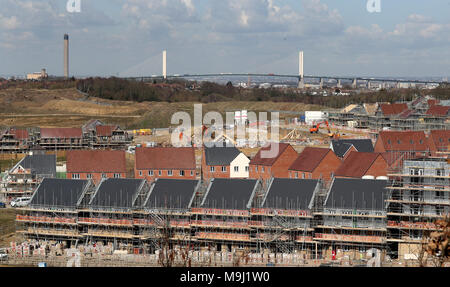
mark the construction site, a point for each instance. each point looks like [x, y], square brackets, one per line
[334, 194]
[233, 222]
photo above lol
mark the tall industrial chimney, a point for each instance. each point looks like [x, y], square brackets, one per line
[66, 56]
[164, 64]
[301, 82]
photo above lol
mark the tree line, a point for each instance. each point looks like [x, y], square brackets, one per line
[206, 92]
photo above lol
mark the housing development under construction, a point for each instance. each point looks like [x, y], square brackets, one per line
[352, 200]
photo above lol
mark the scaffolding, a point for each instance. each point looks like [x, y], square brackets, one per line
[417, 197]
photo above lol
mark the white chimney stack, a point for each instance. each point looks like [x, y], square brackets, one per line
[300, 64]
[164, 64]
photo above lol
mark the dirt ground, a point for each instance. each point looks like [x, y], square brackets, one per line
[7, 226]
[68, 108]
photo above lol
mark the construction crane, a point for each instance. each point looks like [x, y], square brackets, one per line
[315, 129]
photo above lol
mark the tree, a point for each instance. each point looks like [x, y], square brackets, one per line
[435, 244]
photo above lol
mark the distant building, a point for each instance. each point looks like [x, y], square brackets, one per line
[224, 162]
[315, 163]
[96, 164]
[61, 138]
[440, 140]
[165, 162]
[343, 147]
[38, 75]
[277, 165]
[413, 143]
[360, 164]
[315, 116]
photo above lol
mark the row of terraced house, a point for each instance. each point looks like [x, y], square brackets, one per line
[94, 134]
[422, 113]
[338, 201]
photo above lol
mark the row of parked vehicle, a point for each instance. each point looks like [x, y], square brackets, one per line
[18, 202]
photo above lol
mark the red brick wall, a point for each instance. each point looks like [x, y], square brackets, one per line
[300, 174]
[96, 176]
[378, 168]
[164, 174]
[328, 165]
[218, 173]
[278, 169]
[267, 174]
[284, 161]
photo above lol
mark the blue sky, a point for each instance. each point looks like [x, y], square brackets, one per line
[126, 37]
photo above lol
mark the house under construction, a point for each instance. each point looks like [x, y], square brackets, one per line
[296, 216]
[417, 196]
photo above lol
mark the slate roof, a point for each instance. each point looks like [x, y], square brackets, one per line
[220, 155]
[61, 133]
[116, 193]
[96, 161]
[341, 146]
[357, 164]
[55, 192]
[286, 193]
[353, 193]
[259, 160]
[165, 158]
[40, 164]
[171, 193]
[227, 193]
[309, 159]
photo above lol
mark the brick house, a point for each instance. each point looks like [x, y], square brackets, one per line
[315, 163]
[392, 109]
[343, 147]
[440, 140]
[359, 164]
[61, 138]
[96, 164]
[276, 166]
[165, 162]
[410, 143]
[14, 139]
[110, 136]
[439, 111]
[224, 162]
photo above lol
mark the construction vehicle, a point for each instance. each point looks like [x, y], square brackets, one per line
[142, 132]
[315, 129]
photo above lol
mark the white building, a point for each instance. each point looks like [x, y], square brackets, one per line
[315, 116]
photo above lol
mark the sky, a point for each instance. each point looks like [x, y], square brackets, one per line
[407, 38]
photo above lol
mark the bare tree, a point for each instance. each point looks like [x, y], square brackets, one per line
[435, 244]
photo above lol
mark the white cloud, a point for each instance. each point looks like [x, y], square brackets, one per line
[8, 23]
